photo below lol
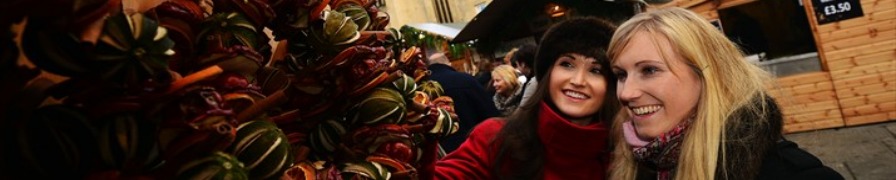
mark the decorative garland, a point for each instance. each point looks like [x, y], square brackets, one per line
[421, 38]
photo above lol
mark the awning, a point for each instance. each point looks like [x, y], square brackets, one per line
[485, 21]
[505, 20]
[448, 30]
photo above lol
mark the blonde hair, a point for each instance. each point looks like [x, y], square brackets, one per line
[508, 74]
[729, 83]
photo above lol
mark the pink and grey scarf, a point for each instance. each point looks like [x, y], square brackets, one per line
[661, 153]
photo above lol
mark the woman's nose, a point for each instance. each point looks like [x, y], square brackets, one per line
[628, 90]
[578, 78]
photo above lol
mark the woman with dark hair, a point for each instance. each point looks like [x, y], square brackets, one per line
[562, 132]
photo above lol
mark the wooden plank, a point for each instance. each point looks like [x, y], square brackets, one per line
[779, 94]
[865, 80]
[862, 90]
[866, 119]
[828, 123]
[809, 107]
[888, 106]
[858, 40]
[860, 30]
[813, 26]
[822, 124]
[866, 69]
[704, 6]
[828, 95]
[732, 3]
[710, 15]
[804, 78]
[811, 88]
[871, 108]
[814, 116]
[881, 98]
[871, 58]
[877, 5]
[853, 102]
[683, 3]
[869, 17]
[866, 109]
[882, 45]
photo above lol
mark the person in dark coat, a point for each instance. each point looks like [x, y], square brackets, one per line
[694, 108]
[484, 77]
[524, 61]
[471, 103]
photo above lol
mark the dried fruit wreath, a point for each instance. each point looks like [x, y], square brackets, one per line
[191, 89]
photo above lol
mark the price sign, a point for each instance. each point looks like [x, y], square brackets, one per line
[827, 11]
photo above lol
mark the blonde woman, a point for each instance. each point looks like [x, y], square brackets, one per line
[508, 90]
[694, 108]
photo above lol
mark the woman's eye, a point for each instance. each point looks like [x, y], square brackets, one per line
[620, 75]
[566, 64]
[649, 70]
[595, 70]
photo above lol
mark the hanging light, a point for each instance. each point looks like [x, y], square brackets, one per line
[554, 9]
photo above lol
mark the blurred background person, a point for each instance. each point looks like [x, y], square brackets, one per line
[524, 60]
[508, 91]
[484, 76]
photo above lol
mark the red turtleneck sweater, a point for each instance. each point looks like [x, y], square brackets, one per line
[572, 151]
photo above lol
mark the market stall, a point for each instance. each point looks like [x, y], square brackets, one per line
[834, 59]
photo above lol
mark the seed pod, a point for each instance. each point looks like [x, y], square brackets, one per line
[382, 105]
[337, 32]
[357, 14]
[446, 123]
[228, 29]
[217, 165]
[129, 143]
[326, 136]
[132, 49]
[263, 148]
[433, 88]
[405, 85]
[365, 170]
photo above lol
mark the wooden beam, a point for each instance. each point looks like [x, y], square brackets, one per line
[861, 30]
[813, 25]
[858, 40]
[732, 3]
[863, 70]
[863, 50]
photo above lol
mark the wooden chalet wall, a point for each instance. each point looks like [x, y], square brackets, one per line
[860, 54]
[808, 101]
[858, 82]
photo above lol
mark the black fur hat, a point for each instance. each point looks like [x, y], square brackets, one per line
[587, 36]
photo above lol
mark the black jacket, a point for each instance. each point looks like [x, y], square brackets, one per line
[471, 103]
[783, 159]
[788, 161]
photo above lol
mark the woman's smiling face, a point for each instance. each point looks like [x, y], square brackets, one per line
[577, 86]
[658, 91]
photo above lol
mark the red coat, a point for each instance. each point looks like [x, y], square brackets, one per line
[572, 151]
